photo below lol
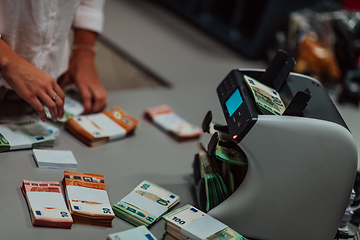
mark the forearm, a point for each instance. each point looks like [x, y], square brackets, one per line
[7, 56]
[84, 42]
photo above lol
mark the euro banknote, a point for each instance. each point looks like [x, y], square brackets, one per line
[87, 198]
[99, 128]
[266, 98]
[169, 121]
[46, 203]
[145, 204]
[189, 222]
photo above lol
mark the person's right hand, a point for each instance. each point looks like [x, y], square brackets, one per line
[33, 85]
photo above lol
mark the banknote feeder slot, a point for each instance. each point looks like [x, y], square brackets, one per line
[300, 165]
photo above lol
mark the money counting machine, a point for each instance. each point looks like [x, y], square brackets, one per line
[301, 165]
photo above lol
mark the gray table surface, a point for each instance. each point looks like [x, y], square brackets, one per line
[148, 155]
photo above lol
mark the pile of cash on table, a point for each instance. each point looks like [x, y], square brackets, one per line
[46, 204]
[189, 222]
[26, 134]
[87, 198]
[99, 128]
[145, 204]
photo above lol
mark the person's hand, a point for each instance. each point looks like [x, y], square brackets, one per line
[34, 85]
[82, 71]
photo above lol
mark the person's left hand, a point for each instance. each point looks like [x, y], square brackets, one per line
[82, 71]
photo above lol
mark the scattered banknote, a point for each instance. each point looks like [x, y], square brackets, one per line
[87, 198]
[72, 108]
[138, 233]
[26, 134]
[99, 128]
[64, 159]
[166, 119]
[189, 222]
[215, 188]
[47, 204]
[267, 99]
[145, 204]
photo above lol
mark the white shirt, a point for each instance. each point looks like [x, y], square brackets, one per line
[37, 30]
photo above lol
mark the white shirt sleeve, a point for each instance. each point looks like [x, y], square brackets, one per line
[89, 15]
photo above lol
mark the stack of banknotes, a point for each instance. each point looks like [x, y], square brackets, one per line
[220, 170]
[166, 119]
[145, 204]
[266, 98]
[46, 203]
[214, 188]
[26, 134]
[138, 233]
[189, 222]
[87, 198]
[99, 128]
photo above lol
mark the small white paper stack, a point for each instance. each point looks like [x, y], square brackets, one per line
[63, 159]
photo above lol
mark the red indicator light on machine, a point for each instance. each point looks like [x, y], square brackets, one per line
[235, 136]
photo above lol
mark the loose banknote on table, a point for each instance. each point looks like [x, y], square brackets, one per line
[46, 204]
[87, 198]
[166, 119]
[145, 204]
[266, 98]
[99, 128]
[138, 233]
[189, 222]
[26, 134]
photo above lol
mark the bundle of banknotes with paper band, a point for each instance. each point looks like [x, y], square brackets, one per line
[166, 119]
[99, 128]
[72, 108]
[266, 98]
[138, 233]
[47, 204]
[145, 204]
[189, 222]
[26, 134]
[87, 198]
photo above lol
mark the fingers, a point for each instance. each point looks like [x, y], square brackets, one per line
[50, 104]
[86, 96]
[59, 100]
[100, 101]
[38, 108]
[64, 80]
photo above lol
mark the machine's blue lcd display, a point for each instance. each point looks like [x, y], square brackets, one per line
[233, 102]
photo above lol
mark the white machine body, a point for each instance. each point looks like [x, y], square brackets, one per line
[301, 169]
[300, 175]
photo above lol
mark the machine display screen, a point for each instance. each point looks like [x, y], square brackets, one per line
[233, 102]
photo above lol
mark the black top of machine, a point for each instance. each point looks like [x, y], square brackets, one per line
[302, 96]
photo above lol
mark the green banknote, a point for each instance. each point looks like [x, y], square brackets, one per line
[4, 144]
[178, 221]
[145, 204]
[231, 153]
[215, 188]
[267, 99]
